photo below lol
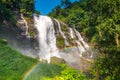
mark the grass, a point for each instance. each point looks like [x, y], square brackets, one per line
[13, 64]
[60, 42]
[57, 71]
[44, 71]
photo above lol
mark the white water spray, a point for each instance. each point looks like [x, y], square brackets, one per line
[47, 40]
[71, 33]
[81, 39]
[62, 34]
[46, 37]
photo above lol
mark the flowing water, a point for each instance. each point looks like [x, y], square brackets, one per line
[60, 31]
[48, 41]
[46, 37]
[71, 33]
[75, 51]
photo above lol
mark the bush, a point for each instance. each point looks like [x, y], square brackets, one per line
[3, 41]
[71, 74]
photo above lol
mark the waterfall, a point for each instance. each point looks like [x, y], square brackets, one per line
[82, 45]
[46, 37]
[71, 33]
[62, 34]
[81, 39]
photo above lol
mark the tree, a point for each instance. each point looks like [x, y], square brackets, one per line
[65, 3]
[9, 7]
[99, 21]
[27, 7]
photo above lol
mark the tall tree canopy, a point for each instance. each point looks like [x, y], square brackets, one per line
[8, 7]
[65, 3]
[99, 21]
[95, 18]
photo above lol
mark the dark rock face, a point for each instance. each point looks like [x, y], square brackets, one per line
[23, 25]
[18, 37]
[57, 60]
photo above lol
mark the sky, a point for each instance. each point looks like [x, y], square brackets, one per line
[46, 6]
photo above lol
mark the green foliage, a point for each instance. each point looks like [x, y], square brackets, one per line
[65, 3]
[60, 42]
[3, 41]
[8, 9]
[12, 64]
[11, 4]
[108, 67]
[44, 71]
[56, 71]
[99, 21]
[27, 7]
[37, 12]
[71, 74]
[6, 14]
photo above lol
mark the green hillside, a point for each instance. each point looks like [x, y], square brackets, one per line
[13, 64]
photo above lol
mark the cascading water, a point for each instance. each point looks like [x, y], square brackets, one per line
[82, 45]
[81, 39]
[46, 37]
[62, 34]
[48, 41]
[71, 33]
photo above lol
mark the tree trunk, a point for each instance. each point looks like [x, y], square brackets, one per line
[117, 40]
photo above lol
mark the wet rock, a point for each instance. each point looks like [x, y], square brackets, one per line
[57, 60]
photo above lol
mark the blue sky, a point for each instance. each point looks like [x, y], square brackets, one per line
[46, 6]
